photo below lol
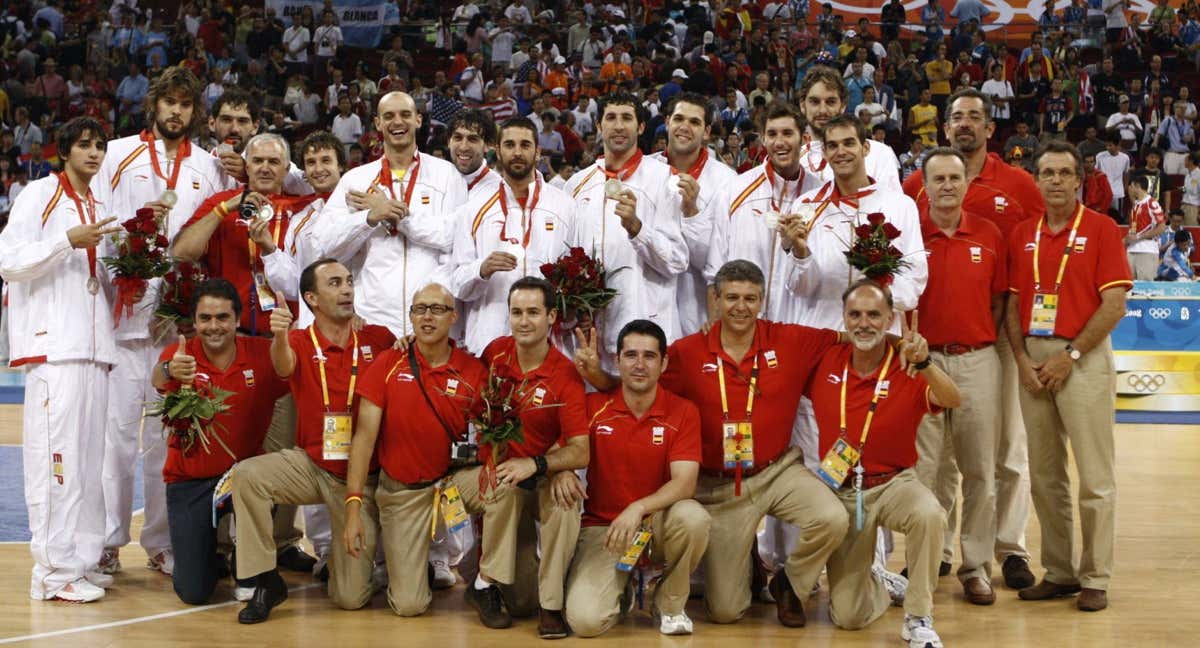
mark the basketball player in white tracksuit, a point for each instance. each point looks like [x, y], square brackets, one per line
[61, 332]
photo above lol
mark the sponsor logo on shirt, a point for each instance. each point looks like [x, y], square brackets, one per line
[834, 379]
[708, 367]
[604, 429]
[1030, 246]
[404, 377]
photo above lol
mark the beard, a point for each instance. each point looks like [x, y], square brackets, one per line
[167, 133]
[868, 343]
[520, 173]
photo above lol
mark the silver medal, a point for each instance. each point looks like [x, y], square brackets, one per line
[612, 188]
[266, 212]
[93, 285]
[169, 198]
[771, 219]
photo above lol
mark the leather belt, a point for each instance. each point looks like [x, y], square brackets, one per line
[871, 481]
[957, 349]
[730, 474]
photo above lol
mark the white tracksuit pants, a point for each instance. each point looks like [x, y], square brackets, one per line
[63, 452]
[318, 528]
[129, 391]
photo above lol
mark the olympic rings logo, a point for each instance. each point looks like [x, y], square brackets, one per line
[1142, 382]
[1159, 313]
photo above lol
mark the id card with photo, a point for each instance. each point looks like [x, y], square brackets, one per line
[1044, 314]
[629, 559]
[837, 464]
[336, 429]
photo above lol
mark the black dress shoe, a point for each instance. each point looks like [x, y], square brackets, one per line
[489, 604]
[1016, 573]
[295, 559]
[551, 624]
[271, 591]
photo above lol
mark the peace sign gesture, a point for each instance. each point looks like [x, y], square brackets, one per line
[587, 355]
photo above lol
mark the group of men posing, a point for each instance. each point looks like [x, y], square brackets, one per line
[743, 370]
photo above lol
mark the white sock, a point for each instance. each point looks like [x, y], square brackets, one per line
[481, 584]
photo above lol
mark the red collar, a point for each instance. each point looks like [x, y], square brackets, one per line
[657, 410]
[853, 199]
[626, 170]
[696, 169]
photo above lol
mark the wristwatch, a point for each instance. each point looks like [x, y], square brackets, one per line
[542, 466]
[1074, 353]
[166, 369]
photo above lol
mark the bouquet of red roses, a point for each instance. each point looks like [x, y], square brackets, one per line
[581, 282]
[497, 419]
[873, 253]
[141, 256]
[175, 298]
[188, 415]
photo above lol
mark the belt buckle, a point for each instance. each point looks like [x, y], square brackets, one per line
[957, 349]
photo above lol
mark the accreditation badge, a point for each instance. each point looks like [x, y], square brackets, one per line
[266, 296]
[1043, 315]
[454, 511]
[837, 464]
[738, 439]
[336, 427]
[629, 559]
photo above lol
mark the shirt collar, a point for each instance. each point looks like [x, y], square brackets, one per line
[717, 349]
[657, 410]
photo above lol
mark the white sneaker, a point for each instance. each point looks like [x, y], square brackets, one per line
[103, 581]
[442, 576]
[79, 591]
[919, 632]
[163, 561]
[675, 624]
[896, 584]
[110, 561]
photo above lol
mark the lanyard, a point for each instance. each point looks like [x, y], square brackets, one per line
[474, 182]
[385, 178]
[1066, 255]
[85, 217]
[778, 205]
[696, 169]
[321, 364]
[862, 441]
[526, 223]
[749, 396]
[185, 149]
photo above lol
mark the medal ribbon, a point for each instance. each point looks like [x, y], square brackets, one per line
[474, 182]
[852, 200]
[85, 217]
[1066, 256]
[626, 169]
[526, 223]
[185, 149]
[385, 178]
[321, 364]
[778, 205]
[696, 169]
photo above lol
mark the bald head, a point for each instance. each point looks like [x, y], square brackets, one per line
[432, 314]
[397, 120]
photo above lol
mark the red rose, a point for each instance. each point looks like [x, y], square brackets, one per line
[136, 244]
[171, 276]
[891, 230]
[863, 231]
[149, 227]
[874, 256]
[895, 251]
[161, 241]
[131, 225]
[875, 218]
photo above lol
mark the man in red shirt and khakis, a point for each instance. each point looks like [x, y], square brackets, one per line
[966, 255]
[1067, 282]
[868, 408]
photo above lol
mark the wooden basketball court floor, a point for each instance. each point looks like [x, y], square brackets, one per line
[1153, 597]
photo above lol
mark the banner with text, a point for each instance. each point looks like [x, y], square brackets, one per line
[364, 23]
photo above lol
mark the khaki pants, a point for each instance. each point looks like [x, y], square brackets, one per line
[856, 598]
[281, 434]
[1144, 265]
[1082, 413]
[595, 585]
[1012, 461]
[963, 440]
[1191, 215]
[546, 538]
[786, 490]
[291, 477]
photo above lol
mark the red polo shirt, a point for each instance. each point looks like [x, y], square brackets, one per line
[1096, 262]
[413, 445]
[553, 397]
[892, 440]
[965, 271]
[305, 382]
[229, 251]
[1001, 192]
[631, 457]
[786, 355]
[251, 377]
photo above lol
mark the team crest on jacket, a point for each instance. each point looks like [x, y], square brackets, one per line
[657, 434]
[976, 254]
[366, 351]
[539, 395]
[451, 386]
[248, 375]
[424, 199]
[57, 468]
[772, 361]
[1001, 204]
[1080, 244]
[882, 389]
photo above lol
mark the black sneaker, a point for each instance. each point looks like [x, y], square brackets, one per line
[295, 559]
[270, 591]
[1017, 574]
[490, 606]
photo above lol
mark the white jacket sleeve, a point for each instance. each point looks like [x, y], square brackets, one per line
[804, 275]
[465, 282]
[698, 231]
[910, 282]
[659, 243]
[27, 251]
[435, 228]
[718, 242]
[283, 274]
[341, 232]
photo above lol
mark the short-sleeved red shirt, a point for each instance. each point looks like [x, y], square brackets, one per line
[229, 251]
[553, 397]
[965, 271]
[305, 382]
[903, 401]
[413, 444]
[1096, 262]
[255, 386]
[631, 457]
[786, 355]
[1001, 192]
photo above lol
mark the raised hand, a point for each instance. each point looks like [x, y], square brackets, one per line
[587, 355]
[89, 235]
[497, 262]
[281, 317]
[183, 366]
[260, 233]
[689, 190]
[627, 211]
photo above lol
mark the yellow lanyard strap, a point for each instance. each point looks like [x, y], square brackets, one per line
[1066, 255]
[253, 247]
[862, 441]
[321, 365]
[749, 397]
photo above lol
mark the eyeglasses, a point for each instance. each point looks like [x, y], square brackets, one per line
[436, 309]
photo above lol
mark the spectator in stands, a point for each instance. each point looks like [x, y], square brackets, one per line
[870, 111]
[939, 72]
[26, 132]
[1108, 88]
[1175, 135]
[1190, 202]
[1055, 112]
[913, 158]
[346, 126]
[36, 167]
[308, 108]
[130, 93]
[1097, 193]
[1124, 124]
[1176, 263]
[923, 119]
[1116, 166]
[1166, 240]
[1151, 167]
[1032, 89]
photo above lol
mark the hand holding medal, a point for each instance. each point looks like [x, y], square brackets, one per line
[627, 211]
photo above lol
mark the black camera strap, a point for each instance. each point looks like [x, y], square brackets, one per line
[416, 372]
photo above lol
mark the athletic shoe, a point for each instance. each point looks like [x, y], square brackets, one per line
[442, 576]
[896, 584]
[919, 632]
[79, 591]
[103, 581]
[675, 624]
[489, 604]
[110, 561]
[163, 561]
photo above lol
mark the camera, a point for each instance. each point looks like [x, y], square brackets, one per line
[247, 211]
[464, 453]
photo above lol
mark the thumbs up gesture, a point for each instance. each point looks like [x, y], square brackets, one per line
[183, 366]
[281, 317]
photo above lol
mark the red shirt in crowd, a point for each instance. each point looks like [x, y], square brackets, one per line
[1095, 263]
[232, 256]
[631, 457]
[255, 386]
[1146, 215]
[903, 401]
[553, 398]
[305, 382]
[1097, 192]
[965, 271]
[413, 444]
[786, 355]
[1003, 193]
